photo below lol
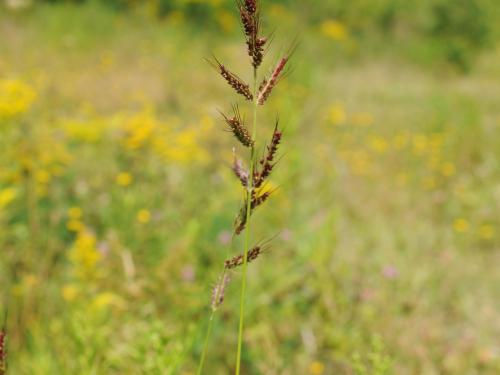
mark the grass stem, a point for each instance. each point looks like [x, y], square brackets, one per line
[247, 230]
[205, 345]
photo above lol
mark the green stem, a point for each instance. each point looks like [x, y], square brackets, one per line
[205, 345]
[247, 229]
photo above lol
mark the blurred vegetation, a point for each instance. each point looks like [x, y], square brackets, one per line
[454, 31]
[116, 200]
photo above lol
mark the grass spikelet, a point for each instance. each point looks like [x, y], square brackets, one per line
[251, 6]
[219, 290]
[267, 85]
[247, 21]
[267, 162]
[237, 260]
[258, 50]
[238, 128]
[250, 20]
[233, 80]
[240, 171]
[257, 200]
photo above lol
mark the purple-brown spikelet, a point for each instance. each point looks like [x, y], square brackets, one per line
[267, 162]
[3, 352]
[257, 200]
[248, 22]
[251, 6]
[237, 260]
[233, 80]
[267, 85]
[238, 128]
[240, 172]
[219, 291]
[257, 51]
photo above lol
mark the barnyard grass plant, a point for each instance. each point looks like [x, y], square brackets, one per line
[254, 177]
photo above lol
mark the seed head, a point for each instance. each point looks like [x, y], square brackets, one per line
[238, 260]
[233, 80]
[267, 161]
[240, 171]
[219, 291]
[257, 200]
[238, 128]
[248, 22]
[267, 85]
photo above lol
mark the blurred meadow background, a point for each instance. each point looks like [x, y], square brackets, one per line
[117, 200]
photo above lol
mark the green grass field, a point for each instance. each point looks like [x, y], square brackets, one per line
[117, 202]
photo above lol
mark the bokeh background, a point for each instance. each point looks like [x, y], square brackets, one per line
[117, 200]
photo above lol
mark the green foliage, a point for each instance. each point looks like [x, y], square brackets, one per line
[462, 28]
[376, 362]
[451, 31]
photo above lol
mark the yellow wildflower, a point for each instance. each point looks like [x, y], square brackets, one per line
[486, 232]
[6, 196]
[448, 169]
[337, 114]
[124, 179]
[106, 299]
[69, 292]
[461, 225]
[75, 212]
[84, 254]
[334, 29]
[16, 97]
[91, 130]
[140, 128]
[316, 368]
[378, 144]
[74, 225]
[143, 216]
[42, 176]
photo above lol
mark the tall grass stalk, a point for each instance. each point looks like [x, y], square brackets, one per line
[254, 178]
